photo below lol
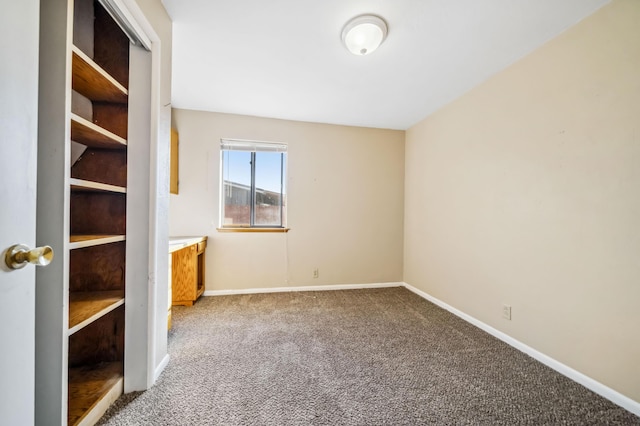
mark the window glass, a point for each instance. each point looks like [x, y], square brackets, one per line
[237, 187]
[269, 191]
[253, 184]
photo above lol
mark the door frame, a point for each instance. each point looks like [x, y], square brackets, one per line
[151, 182]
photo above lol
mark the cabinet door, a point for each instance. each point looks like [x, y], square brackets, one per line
[184, 274]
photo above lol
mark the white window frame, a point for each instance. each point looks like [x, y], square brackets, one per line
[252, 146]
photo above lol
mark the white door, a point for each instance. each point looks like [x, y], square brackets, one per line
[19, 22]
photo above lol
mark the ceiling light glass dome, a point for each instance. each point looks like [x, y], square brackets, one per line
[363, 34]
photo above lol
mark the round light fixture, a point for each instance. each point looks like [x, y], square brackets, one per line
[363, 34]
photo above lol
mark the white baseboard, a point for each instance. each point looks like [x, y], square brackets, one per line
[160, 368]
[586, 381]
[300, 288]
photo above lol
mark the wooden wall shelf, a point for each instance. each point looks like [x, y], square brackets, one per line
[89, 134]
[81, 241]
[86, 307]
[81, 185]
[90, 80]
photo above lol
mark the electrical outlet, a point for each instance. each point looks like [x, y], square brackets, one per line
[315, 273]
[506, 312]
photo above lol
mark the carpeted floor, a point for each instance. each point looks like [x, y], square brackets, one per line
[356, 357]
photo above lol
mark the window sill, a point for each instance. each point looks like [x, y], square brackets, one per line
[247, 229]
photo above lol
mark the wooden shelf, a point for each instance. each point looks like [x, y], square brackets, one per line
[87, 306]
[91, 81]
[92, 389]
[81, 185]
[81, 241]
[85, 132]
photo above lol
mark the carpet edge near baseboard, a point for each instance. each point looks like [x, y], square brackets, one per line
[578, 377]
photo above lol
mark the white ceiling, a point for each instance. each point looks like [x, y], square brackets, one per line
[284, 58]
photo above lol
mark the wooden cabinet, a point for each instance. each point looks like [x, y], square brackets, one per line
[187, 272]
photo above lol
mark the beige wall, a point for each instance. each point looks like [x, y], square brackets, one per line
[526, 191]
[345, 194]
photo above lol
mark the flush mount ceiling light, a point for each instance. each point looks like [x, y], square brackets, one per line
[363, 34]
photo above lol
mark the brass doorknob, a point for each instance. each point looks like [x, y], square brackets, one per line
[19, 255]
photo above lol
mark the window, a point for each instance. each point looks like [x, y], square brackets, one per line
[253, 193]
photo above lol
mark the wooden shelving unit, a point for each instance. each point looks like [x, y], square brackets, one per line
[97, 212]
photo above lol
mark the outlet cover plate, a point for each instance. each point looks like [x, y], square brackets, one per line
[506, 312]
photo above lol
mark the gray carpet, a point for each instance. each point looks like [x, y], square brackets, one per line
[357, 357]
